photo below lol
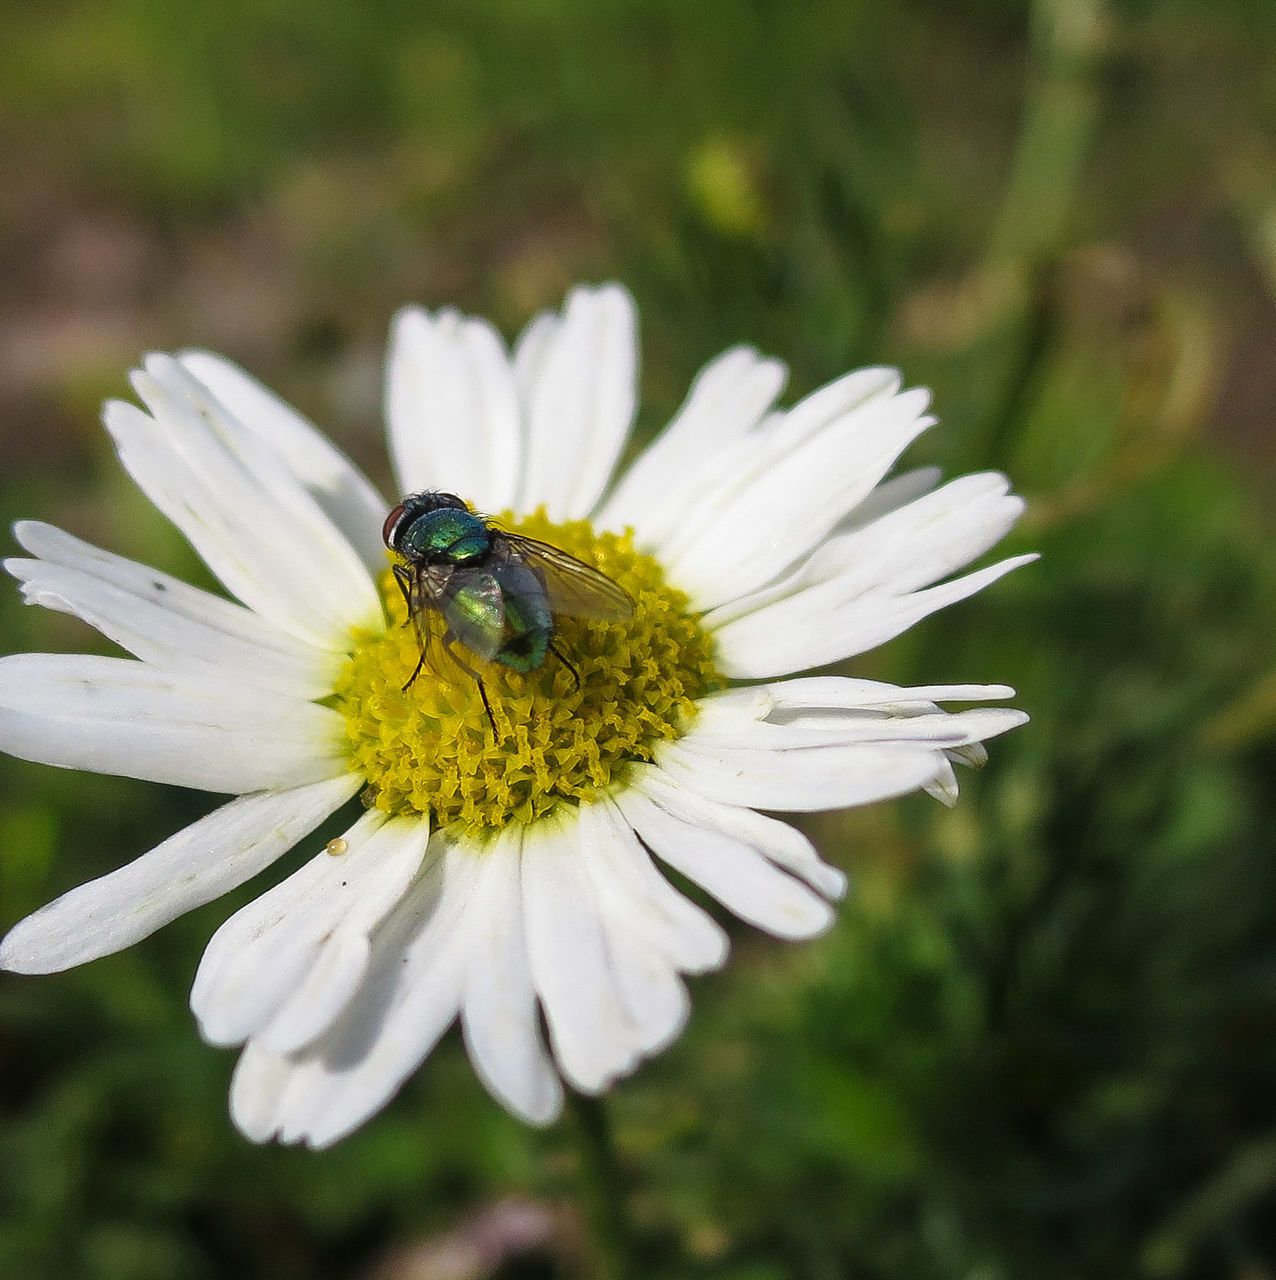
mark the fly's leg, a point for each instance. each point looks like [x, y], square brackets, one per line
[404, 579]
[416, 671]
[487, 706]
[563, 658]
[449, 643]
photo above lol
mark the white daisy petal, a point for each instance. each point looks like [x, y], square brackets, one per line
[778, 842]
[251, 520]
[257, 1087]
[654, 1000]
[200, 863]
[452, 408]
[499, 1012]
[645, 970]
[913, 546]
[943, 786]
[924, 540]
[292, 478]
[318, 998]
[769, 747]
[889, 495]
[53, 546]
[281, 969]
[117, 716]
[773, 717]
[530, 349]
[412, 992]
[579, 383]
[721, 724]
[779, 700]
[727, 399]
[343, 492]
[593, 1039]
[139, 618]
[974, 754]
[920, 543]
[793, 501]
[740, 463]
[799, 780]
[853, 391]
[908, 547]
[627, 881]
[816, 627]
[730, 869]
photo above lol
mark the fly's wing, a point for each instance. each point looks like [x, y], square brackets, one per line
[571, 585]
[474, 607]
[426, 616]
[439, 621]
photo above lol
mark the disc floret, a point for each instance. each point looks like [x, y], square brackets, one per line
[431, 750]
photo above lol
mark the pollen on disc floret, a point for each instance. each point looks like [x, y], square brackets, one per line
[430, 749]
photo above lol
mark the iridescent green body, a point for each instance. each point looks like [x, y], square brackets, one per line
[494, 604]
[503, 614]
[495, 592]
[444, 535]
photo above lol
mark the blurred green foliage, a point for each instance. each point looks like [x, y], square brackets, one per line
[1042, 1040]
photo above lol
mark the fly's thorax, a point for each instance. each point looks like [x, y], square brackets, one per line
[413, 506]
[431, 750]
[444, 536]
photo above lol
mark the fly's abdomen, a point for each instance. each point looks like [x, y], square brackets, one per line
[529, 620]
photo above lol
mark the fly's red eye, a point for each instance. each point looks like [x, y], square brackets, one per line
[387, 529]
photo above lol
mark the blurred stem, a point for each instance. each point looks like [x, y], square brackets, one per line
[1062, 99]
[1035, 341]
[859, 244]
[1061, 109]
[602, 1194]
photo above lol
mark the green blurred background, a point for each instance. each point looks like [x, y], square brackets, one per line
[1041, 1043]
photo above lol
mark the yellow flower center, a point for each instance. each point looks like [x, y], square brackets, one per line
[431, 749]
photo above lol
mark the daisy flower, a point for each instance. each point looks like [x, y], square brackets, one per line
[509, 869]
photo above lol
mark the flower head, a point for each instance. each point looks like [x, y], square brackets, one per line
[516, 814]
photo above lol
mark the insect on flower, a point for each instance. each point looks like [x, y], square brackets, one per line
[470, 583]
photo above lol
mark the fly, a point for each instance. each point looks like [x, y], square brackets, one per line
[470, 584]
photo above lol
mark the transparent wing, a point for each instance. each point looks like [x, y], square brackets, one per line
[474, 607]
[572, 586]
[430, 627]
[429, 607]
